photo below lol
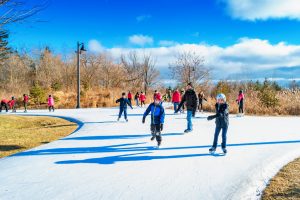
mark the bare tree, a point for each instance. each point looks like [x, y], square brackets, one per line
[132, 67]
[150, 74]
[189, 67]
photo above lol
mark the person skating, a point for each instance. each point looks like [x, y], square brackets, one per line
[50, 103]
[25, 101]
[155, 93]
[136, 98]
[201, 98]
[4, 103]
[12, 104]
[142, 99]
[222, 122]
[240, 101]
[123, 106]
[129, 97]
[176, 98]
[183, 106]
[157, 119]
[191, 101]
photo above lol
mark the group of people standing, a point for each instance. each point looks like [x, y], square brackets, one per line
[192, 102]
[12, 103]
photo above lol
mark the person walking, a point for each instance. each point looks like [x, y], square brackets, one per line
[142, 99]
[190, 98]
[12, 104]
[25, 101]
[129, 97]
[4, 103]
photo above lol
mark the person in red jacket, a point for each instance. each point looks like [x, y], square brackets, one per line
[129, 97]
[25, 101]
[12, 104]
[142, 99]
[4, 103]
[176, 98]
[155, 94]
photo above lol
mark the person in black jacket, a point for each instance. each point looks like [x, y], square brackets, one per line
[222, 122]
[191, 102]
[123, 106]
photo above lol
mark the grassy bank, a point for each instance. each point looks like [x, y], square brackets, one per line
[19, 133]
[286, 184]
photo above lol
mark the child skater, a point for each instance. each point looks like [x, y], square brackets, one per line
[50, 103]
[123, 106]
[157, 118]
[222, 122]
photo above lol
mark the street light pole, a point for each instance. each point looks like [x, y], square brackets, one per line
[80, 48]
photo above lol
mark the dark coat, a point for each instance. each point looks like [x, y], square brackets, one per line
[222, 115]
[190, 99]
[123, 102]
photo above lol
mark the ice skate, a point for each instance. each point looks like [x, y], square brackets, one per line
[212, 150]
[224, 150]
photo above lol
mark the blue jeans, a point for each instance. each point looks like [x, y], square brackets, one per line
[224, 136]
[125, 112]
[189, 120]
[175, 106]
[137, 102]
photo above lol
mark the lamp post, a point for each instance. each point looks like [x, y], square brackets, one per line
[80, 48]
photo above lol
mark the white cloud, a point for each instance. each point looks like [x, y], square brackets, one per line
[143, 18]
[263, 9]
[95, 46]
[167, 43]
[247, 57]
[140, 40]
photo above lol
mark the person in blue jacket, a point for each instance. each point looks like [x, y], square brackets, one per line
[123, 106]
[157, 119]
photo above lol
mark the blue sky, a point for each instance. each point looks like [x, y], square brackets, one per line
[218, 26]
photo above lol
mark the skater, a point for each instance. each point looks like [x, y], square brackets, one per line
[25, 101]
[123, 106]
[136, 98]
[176, 98]
[157, 119]
[240, 101]
[4, 103]
[142, 99]
[183, 106]
[201, 98]
[12, 104]
[129, 97]
[50, 103]
[222, 122]
[190, 98]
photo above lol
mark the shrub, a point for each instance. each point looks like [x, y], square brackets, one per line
[37, 94]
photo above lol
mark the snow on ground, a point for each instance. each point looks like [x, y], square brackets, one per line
[109, 160]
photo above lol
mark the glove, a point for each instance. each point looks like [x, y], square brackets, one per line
[161, 127]
[210, 118]
[143, 120]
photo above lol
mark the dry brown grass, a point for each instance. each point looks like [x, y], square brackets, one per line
[286, 184]
[289, 104]
[19, 133]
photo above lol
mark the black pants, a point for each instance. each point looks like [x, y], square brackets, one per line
[25, 105]
[142, 103]
[4, 105]
[241, 107]
[200, 107]
[51, 108]
[156, 132]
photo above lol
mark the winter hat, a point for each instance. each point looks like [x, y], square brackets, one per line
[158, 97]
[221, 96]
[123, 94]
